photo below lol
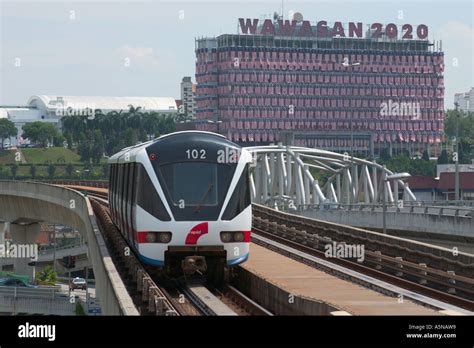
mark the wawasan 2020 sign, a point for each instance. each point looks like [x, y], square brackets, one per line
[322, 29]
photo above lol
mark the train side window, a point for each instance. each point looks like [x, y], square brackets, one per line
[240, 197]
[148, 198]
[111, 190]
[124, 196]
[137, 182]
[115, 190]
[120, 196]
[125, 200]
[131, 193]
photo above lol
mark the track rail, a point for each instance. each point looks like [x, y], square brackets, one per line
[384, 261]
[146, 289]
[206, 302]
[245, 303]
[148, 296]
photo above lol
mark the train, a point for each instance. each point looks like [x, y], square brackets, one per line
[182, 202]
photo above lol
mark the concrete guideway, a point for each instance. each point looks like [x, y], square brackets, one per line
[426, 226]
[305, 282]
[27, 204]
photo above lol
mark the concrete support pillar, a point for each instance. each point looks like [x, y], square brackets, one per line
[3, 230]
[24, 237]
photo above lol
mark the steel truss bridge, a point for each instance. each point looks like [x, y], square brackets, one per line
[304, 177]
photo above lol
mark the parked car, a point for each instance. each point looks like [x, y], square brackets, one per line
[78, 283]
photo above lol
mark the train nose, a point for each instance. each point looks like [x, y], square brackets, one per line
[193, 264]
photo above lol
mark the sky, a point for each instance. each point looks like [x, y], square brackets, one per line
[144, 48]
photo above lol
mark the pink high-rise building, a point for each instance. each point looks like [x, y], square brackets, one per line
[258, 84]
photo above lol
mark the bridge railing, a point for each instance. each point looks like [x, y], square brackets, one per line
[51, 250]
[407, 207]
[46, 292]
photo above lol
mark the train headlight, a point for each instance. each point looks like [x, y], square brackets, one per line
[226, 237]
[239, 237]
[165, 237]
[150, 237]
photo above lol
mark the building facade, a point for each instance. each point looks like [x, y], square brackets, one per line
[188, 91]
[49, 108]
[336, 92]
[465, 101]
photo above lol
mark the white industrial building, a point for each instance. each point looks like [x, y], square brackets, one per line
[465, 101]
[51, 108]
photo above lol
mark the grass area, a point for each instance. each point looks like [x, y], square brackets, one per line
[42, 158]
[53, 155]
[7, 156]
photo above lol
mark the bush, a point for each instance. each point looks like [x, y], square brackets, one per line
[79, 310]
[47, 276]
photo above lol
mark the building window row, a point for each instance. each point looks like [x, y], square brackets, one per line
[321, 56]
[335, 124]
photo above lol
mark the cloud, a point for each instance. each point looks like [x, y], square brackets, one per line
[143, 57]
[458, 46]
[457, 30]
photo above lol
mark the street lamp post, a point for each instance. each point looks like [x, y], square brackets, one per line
[456, 177]
[346, 64]
[386, 179]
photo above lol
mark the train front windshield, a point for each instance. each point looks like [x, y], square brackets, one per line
[192, 183]
[196, 190]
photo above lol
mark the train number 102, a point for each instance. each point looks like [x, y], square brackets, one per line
[196, 154]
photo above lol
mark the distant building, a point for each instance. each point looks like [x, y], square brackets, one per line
[429, 189]
[465, 101]
[49, 108]
[188, 92]
[447, 183]
[425, 188]
[451, 168]
[332, 91]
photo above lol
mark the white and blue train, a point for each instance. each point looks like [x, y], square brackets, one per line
[182, 202]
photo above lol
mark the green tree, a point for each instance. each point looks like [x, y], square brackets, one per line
[58, 140]
[87, 170]
[40, 132]
[7, 130]
[443, 157]
[14, 170]
[79, 309]
[70, 170]
[33, 171]
[68, 138]
[461, 124]
[384, 155]
[51, 171]
[105, 170]
[47, 275]
[426, 156]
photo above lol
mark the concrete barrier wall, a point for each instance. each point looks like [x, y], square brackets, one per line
[278, 300]
[450, 226]
[328, 221]
[58, 205]
[37, 306]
